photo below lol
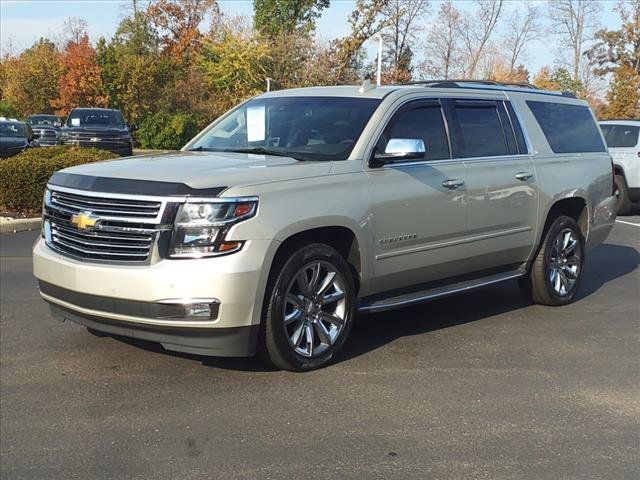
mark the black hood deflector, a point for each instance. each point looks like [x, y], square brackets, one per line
[127, 186]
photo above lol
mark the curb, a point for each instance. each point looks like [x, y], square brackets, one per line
[14, 225]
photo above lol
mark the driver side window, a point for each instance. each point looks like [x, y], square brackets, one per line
[419, 120]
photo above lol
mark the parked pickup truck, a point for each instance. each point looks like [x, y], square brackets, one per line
[297, 209]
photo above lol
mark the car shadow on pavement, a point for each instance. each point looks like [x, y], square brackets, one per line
[372, 331]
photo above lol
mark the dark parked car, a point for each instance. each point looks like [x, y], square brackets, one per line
[101, 128]
[47, 128]
[15, 137]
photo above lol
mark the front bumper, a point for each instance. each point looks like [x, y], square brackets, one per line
[125, 300]
[217, 342]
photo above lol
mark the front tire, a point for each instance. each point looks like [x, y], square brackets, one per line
[309, 308]
[624, 202]
[556, 271]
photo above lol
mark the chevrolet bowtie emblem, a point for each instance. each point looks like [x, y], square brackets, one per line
[84, 220]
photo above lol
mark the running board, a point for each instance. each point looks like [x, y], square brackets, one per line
[379, 304]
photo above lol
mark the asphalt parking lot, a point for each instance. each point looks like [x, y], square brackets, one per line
[482, 386]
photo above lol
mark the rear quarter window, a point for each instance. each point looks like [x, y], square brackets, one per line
[568, 128]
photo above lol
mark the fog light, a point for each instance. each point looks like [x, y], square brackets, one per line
[199, 310]
[192, 308]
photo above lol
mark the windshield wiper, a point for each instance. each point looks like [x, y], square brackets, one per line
[203, 149]
[262, 151]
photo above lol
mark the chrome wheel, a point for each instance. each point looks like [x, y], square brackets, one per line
[315, 308]
[565, 262]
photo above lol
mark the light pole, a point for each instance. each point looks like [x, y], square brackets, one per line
[379, 69]
[268, 84]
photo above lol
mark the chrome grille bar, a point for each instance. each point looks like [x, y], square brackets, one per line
[125, 228]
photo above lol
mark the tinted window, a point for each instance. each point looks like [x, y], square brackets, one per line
[419, 121]
[568, 128]
[481, 129]
[306, 128]
[14, 130]
[620, 136]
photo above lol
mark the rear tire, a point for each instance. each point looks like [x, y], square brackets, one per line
[309, 309]
[555, 274]
[624, 202]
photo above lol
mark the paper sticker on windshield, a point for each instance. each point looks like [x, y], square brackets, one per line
[75, 122]
[255, 124]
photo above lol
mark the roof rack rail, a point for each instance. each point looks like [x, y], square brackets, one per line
[455, 83]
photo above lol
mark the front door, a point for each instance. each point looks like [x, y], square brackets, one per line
[419, 206]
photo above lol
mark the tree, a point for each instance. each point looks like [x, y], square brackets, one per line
[177, 23]
[30, 81]
[574, 21]
[443, 43]
[136, 76]
[477, 30]
[618, 52]
[401, 35]
[276, 17]
[623, 96]
[522, 26]
[365, 23]
[619, 48]
[560, 79]
[233, 66]
[81, 83]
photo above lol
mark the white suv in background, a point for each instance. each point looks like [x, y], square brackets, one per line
[623, 140]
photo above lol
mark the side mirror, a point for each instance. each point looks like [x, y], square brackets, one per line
[399, 149]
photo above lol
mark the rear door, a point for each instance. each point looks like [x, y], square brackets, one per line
[502, 193]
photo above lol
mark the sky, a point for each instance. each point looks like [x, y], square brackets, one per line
[24, 21]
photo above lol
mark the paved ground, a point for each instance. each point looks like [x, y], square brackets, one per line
[474, 387]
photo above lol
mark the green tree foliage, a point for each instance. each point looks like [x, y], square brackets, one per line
[167, 131]
[619, 48]
[233, 64]
[276, 17]
[617, 52]
[30, 80]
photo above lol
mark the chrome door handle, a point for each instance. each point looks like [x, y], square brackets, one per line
[452, 183]
[524, 176]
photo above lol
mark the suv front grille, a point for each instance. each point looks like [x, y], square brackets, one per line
[103, 227]
[105, 206]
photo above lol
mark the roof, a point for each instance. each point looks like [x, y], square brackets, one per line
[368, 90]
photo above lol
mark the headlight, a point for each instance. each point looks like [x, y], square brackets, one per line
[200, 227]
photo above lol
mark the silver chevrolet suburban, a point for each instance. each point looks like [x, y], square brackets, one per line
[292, 212]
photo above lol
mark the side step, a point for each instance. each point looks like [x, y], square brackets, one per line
[378, 303]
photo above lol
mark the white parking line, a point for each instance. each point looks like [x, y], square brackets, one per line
[628, 223]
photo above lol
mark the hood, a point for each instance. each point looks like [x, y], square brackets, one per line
[195, 170]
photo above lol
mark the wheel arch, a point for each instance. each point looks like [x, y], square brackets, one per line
[339, 236]
[575, 207]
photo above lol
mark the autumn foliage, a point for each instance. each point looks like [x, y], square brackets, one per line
[81, 80]
[173, 66]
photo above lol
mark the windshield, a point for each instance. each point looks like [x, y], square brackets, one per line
[15, 130]
[95, 118]
[305, 128]
[620, 136]
[44, 120]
